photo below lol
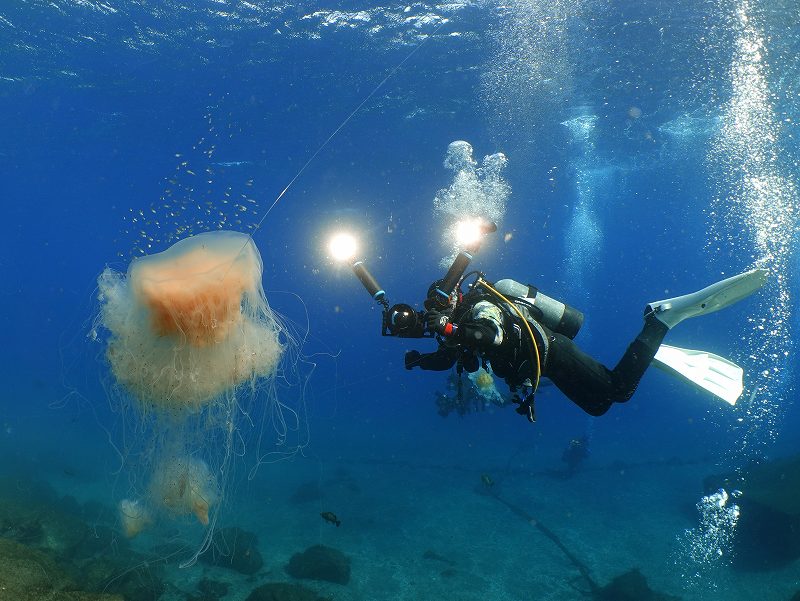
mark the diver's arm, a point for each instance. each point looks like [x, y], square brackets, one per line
[481, 334]
[477, 330]
[482, 328]
[440, 360]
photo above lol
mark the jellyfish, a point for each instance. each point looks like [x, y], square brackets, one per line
[483, 379]
[184, 486]
[483, 384]
[190, 338]
[189, 323]
[134, 517]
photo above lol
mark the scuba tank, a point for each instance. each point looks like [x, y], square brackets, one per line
[557, 316]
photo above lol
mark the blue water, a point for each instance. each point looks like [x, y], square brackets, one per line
[652, 149]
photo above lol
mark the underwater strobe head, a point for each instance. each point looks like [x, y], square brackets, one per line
[400, 320]
[343, 248]
[470, 234]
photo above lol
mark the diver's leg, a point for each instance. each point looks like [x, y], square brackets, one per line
[590, 384]
[638, 358]
[594, 388]
[586, 382]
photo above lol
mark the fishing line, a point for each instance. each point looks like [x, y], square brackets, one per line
[334, 133]
[347, 119]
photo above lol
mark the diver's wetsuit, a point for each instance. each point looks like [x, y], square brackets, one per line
[484, 328]
[590, 384]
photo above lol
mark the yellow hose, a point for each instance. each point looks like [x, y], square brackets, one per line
[535, 354]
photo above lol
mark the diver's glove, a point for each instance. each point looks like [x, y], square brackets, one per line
[412, 359]
[440, 323]
[526, 406]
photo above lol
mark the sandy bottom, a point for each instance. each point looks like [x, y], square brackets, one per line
[424, 528]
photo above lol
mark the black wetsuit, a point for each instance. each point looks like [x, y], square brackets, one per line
[585, 381]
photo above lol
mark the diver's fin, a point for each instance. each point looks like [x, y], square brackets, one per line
[711, 372]
[712, 298]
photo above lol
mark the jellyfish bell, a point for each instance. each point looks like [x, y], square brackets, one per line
[483, 382]
[183, 486]
[194, 290]
[134, 517]
[190, 323]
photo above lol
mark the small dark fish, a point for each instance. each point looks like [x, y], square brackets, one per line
[329, 516]
[487, 480]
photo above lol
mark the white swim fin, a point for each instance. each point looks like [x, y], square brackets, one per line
[711, 372]
[672, 311]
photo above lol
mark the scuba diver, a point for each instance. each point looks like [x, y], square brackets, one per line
[575, 453]
[525, 335]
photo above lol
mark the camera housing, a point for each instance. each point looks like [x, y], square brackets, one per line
[404, 321]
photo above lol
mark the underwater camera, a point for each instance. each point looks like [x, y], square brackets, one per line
[404, 321]
[401, 319]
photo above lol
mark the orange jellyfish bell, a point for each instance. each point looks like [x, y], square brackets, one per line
[194, 289]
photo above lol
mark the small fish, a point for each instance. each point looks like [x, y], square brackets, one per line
[329, 516]
[487, 480]
[232, 163]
